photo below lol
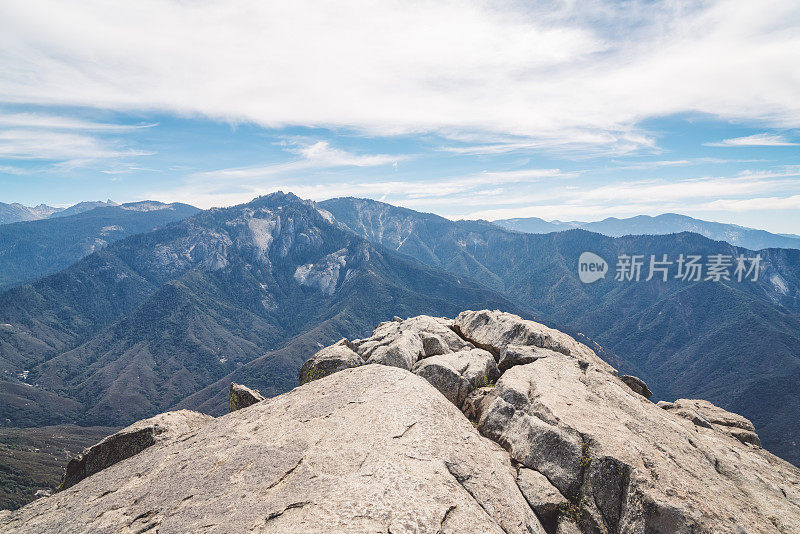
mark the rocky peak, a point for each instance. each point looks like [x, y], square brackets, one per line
[279, 228]
[416, 429]
[612, 460]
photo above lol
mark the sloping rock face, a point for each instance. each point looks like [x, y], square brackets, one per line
[130, 441]
[628, 466]
[501, 333]
[371, 449]
[456, 374]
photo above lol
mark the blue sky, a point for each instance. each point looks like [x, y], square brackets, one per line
[569, 111]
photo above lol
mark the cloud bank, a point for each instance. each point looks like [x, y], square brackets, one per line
[516, 75]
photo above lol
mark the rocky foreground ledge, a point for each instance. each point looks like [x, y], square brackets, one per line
[485, 423]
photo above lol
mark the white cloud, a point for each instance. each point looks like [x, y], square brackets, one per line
[571, 74]
[8, 169]
[757, 203]
[55, 122]
[316, 155]
[733, 193]
[762, 139]
[66, 148]
[660, 164]
[65, 140]
[309, 176]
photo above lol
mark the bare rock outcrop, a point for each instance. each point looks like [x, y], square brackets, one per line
[613, 461]
[543, 497]
[498, 332]
[369, 449]
[456, 374]
[626, 465]
[130, 441]
[400, 343]
[240, 396]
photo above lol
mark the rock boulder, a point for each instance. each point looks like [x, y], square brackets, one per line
[329, 360]
[240, 396]
[456, 374]
[626, 465]
[638, 385]
[495, 331]
[131, 441]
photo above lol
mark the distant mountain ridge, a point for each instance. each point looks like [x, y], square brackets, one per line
[82, 207]
[32, 249]
[11, 213]
[667, 223]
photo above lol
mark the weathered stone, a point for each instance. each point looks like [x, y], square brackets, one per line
[377, 449]
[513, 355]
[627, 465]
[456, 374]
[435, 335]
[637, 385]
[443, 377]
[567, 525]
[367, 449]
[329, 360]
[403, 351]
[131, 441]
[495, 331]
[552, 449]
[544, 498]
[703, 413]
[744, 436]
[433, 344]
[241, 396]
[715, 414]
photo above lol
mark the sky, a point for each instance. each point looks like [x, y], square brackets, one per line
[558, 109]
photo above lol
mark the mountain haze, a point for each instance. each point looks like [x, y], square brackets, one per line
[11, 213]
[667, 223]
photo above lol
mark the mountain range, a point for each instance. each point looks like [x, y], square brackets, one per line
[11, 213]
[169, 317]
[138, 326]
[667, 223]
[32, 249]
